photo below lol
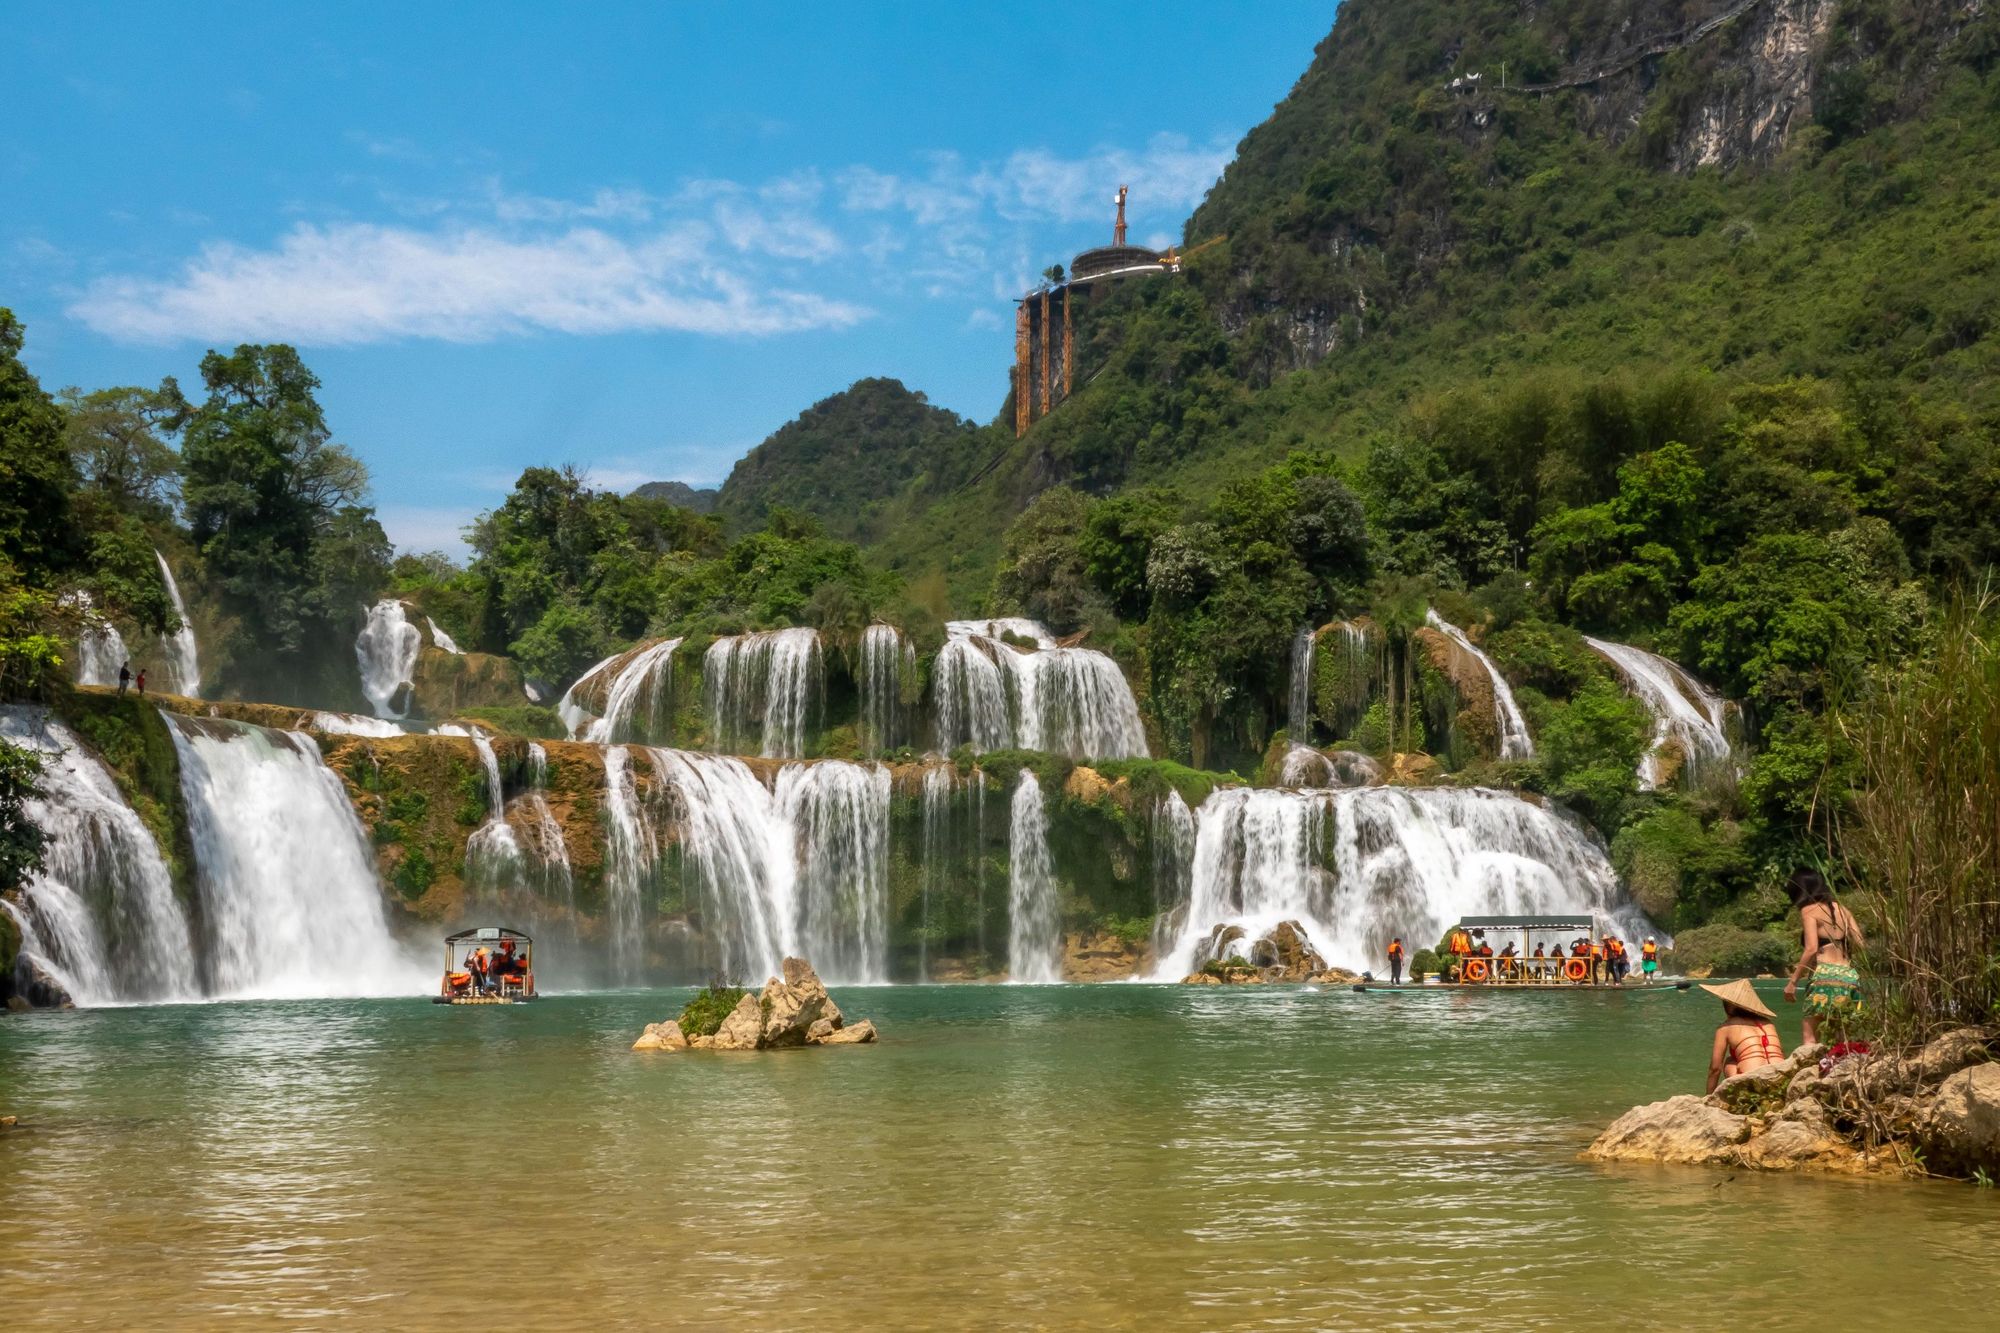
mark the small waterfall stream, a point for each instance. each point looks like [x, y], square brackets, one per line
[992, 695]
[291, 904]
[386, 650]
[839, 814]
[1515, 741]
[443, 640]
[1173, 838]
[1034, 926]
[1685, 713]
[637, 691]
[887, 661]
[100, 915]
[492, 854]
[764, 691]
[183, 654]
[1298, 711]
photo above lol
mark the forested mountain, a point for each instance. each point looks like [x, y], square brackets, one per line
[699, 500]
[858, 461]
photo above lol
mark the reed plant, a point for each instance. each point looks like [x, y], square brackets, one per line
[1922, 832]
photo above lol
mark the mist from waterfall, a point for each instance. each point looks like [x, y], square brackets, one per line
[100, 651]
[764, 691]
[100, 916]
[1034, 917]
[386, 650]
[1685, 713]
[1355, 868]
[1515, 740]
[291, 906]
[183, 654]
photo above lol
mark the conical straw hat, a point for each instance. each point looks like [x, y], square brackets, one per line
[1741, 994]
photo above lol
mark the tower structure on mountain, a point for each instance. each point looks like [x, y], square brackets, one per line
[1044, 321]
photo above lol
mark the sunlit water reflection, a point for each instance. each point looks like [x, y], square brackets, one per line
[1058, 1157]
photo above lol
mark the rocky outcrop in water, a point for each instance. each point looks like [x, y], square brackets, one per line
[789, 1012]
[1932, 1111]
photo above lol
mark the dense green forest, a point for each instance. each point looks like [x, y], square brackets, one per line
[1606, 359]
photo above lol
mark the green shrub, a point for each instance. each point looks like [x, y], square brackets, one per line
[1731, 951]
[705, 1012]
[415, 873]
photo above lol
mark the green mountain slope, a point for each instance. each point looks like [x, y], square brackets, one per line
[856, 461]
[1801, 190]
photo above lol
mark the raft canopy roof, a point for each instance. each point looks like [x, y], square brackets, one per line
[1583, 923]
[489, 933]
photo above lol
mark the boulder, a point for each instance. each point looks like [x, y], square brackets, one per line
[792, 1006]
[1413, 770]
[1961, 1130]
[1953, 1051]
[1758, 1090]
[665, 1036]
[742, 1030]
[1788, 1145]
[819, 1031]
[1680, 1129]
[1333, 976]
[856, 1035]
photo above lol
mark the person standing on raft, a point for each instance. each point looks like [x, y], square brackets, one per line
[1831, 935]
[1396, 961]
[1649, 957]
[1748, 1038]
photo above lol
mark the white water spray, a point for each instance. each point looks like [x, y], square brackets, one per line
[839, 814]
[765, 686]
[1685, 713]
[887, 661]
[1034, 927]
[991, 694]
[1515, 742]
[387, 650]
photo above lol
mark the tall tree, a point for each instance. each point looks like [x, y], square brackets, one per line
[37, 536]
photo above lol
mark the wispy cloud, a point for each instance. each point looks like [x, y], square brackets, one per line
[353, 283]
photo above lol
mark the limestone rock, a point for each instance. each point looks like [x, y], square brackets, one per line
[792, 1006]
[1790, 1144]
[1758, 1090]
[819, 1031]
[1953, 1051]
[1100, 956]
[1333, 976]
[1413, 770]
[856, 1035]
[1962, 1128]
[665, 1036]
[743, 1029]
[1201, 979]
[1680, 1129]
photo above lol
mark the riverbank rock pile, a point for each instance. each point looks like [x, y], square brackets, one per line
[794, 1011]
[1931, 1111]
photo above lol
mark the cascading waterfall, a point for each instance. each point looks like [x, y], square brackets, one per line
[1173, 839]
[631, 861]
[100, 916]
[559, 881]
[768, 686]
[1034, 928]
[100, 651]
[638, 698]
[1071, 701]
[1686, 714]
[387, 649]
[183, 654]
[492, 854]
[839, 814]
[1298, 712]
[443, 640]
[739, 861]
[936, 798]
[1515, 742]
[349, 724]
[290, 902]
[887, 661]
[1354, 868]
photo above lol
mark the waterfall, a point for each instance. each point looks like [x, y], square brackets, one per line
[1034, 928]
[290, 901]
[839, 813]
[631, 855]
[387, 650]
[936, 793]
[1355, 868]
[550, 847]
[887, 660]
[638, 691]
[100, 651]
[492, 854]
[1515, 742]
[1071, 701]
[183, 655]
[100, 916]
[349, 724]
[979, 858]
[1305, 767]
[1298, 713]
[739, 859]
[1173, 840]
[766, 685]
[1685, 712]
[443, 640]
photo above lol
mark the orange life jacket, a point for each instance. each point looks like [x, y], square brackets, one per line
[1395, 948]
[1649, 951]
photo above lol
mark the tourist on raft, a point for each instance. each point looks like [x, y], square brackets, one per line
[1649, 956]
[1748, 1038]
[1396, 961]
[1831, 935]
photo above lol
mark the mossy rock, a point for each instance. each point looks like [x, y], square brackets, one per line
[704, 1014]
[447, 684]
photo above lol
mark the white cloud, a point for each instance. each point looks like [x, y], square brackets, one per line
[420, 528]
[352, 283]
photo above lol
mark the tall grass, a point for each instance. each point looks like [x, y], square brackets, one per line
[1923, 830]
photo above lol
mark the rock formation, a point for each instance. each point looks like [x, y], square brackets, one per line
[792, 1011]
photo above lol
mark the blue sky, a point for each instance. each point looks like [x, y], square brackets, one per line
[637, 238]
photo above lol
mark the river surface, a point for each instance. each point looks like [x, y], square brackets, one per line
[1007, 1157]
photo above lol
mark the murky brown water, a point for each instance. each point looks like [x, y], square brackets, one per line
[1066, 1157]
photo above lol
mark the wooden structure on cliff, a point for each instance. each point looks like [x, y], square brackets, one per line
[1044, 324]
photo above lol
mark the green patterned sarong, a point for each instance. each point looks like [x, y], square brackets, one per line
[1836, 989]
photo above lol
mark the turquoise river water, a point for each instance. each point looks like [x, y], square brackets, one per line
[1007, 1157]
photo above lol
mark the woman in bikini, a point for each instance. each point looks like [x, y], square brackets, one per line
[1748, 1038]
[1831, 936]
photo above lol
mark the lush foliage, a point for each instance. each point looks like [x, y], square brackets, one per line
[703, 1015]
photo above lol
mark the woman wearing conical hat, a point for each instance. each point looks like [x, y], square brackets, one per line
[1748, 1038]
